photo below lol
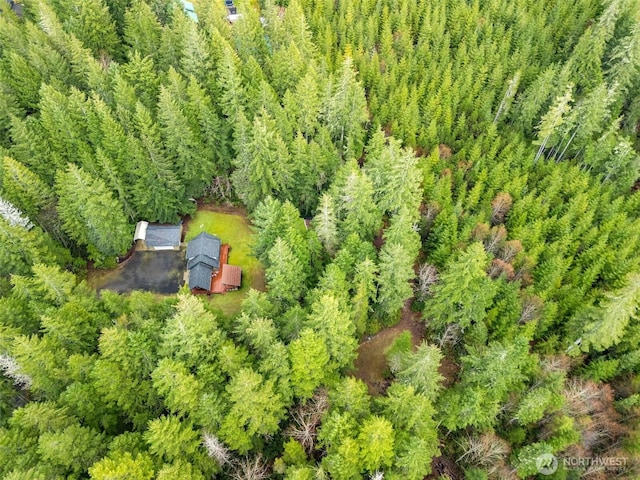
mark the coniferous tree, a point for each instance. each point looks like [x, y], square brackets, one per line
[353, 194]
[334, 325]
[325, 224]
[309, 358]
[159, 194]
[396, 271]
[21, 186]
[255, 409]
[193, 164]
[91, 216]
[142, 30]
[606, 325]
[262, 164]
[464, 292]
[346, 112]
[395, 176]
[92, 23]
[364, 293]
[285, 274]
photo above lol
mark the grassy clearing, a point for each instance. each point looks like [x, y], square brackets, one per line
[234, 230]
[371, 364]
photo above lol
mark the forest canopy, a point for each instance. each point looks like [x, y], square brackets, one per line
[469, 166]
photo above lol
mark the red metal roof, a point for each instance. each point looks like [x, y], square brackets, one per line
[231, 275]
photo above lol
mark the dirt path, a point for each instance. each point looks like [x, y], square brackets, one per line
[371, 363]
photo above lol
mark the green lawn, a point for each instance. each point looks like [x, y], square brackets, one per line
[234, 230]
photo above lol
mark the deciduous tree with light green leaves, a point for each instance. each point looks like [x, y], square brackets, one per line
[376, 439]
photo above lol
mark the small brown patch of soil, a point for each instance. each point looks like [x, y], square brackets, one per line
[378, 241]
[449, 370]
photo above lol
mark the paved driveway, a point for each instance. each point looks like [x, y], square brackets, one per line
[154, 271]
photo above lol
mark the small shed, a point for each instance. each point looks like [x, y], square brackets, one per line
[158, 237]
[231, 277]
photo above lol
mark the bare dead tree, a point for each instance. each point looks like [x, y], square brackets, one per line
[487, 450]
[216, 449]
[581, 396]
[523, 268]
[499, 267]
[431, 212]
[250, 468]
[497, 236]
[451, 335]
[500, 206]
[531, 308]
[306, 419]
[555, 363]
[510, 249]
[480, 232]
[444, 151]
[10, 368]
[14, 216]
[219, 188]
[427, 276]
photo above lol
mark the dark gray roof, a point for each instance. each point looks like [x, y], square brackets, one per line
[205, 259]
[163, 235]
[17, 8]
[200, 277]
[205, 249]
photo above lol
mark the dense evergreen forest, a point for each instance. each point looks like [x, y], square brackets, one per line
[474, 161]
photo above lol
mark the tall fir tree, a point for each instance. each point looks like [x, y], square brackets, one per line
[91, 216]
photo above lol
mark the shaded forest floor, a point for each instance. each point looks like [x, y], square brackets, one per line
[371, 363]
